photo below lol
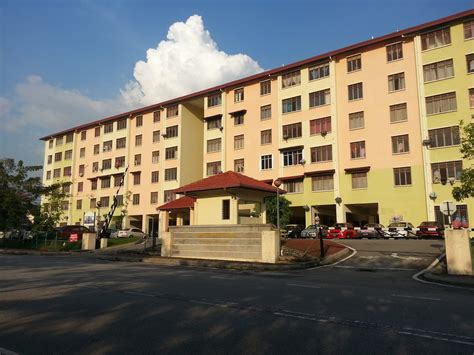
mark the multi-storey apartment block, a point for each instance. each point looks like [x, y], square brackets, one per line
[366, 133]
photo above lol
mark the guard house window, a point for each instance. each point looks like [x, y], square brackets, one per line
[265, 87]
[356, 120]
[107, 146]
[50, 159]
[266, 136]
[172, 111]
[266, 162]
[468, 29]
[239, 165]
[171, 131]
[239, 141]
[394, 52]
[396, 82]
[441, 103]
[320, 98]
[319, 71]
[359, 181]
[293, 186]
[470, 63]
[59, 141]
[56, 173]
[82, 152]
[171, 153]
[292, 157]
[139, 121]
[157, 116]
[444, 137]
[239, 95]
[138, 140]
[291, 105]
[441, 172]
[400, 144]
[214, 145]
[68, 154]
[320, 125]
[156, 136]
[169, 195]
[155, 157]
[402, 176]
[398, 113]
[213, 168]
[239, 118]
[67, 171]
[322, 183]
[320, 154]
[171, 174]
[51, 143]
[291, 130]
[120, 162]
[137, 178]
[136, 199]
[214, 123]
[109, 127]
[137, 160]
[121, 143]
[58, 156]
[106, 164]
[266, 112]
[435, 39]
[355, 91]
[83, 135]
[154, 197]
[354, 63]
[97, 132]
[105, 183]
[438, 70]
[155, 177]
[69, 137]
[357, 150]
[225, 209]
[214, 100]
[290, 79]
[121, 124]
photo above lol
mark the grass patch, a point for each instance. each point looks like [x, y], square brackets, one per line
[40, 245]
[120, 241]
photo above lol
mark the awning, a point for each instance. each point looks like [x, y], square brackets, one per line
[214, 117]
[291, 148]
[320, 172]
[362, 169]
[239, 112]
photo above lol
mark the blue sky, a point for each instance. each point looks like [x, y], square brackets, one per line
[65, 62]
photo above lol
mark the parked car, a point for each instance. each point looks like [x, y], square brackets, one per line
[342, 231]
[430, 229]
[128, 233]
[294, 230]
[311, 231]
[372, 230]
[400, 230]
[65, 232]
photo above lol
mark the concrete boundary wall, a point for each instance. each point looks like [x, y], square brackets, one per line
[254, 243]
[458, 252]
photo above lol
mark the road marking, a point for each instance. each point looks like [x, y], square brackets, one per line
[395, 255]
[222, 278]
[374, 268]
[417, 297]
[139, 293]
[438, 333]
[7, 352]
[300, 285]
[354, 252]
[435, 338]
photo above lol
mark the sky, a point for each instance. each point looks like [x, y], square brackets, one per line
[69, 62]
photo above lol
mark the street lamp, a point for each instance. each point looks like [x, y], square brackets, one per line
[277, 183]
[321, 244]
[98, 205]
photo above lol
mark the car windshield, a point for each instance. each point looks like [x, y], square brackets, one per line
[426, 224]
[398, 224]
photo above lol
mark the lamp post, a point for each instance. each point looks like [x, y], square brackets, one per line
[277, 183]
[98, 205]
[321, 244]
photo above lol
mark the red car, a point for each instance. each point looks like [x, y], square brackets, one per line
[342, 231]
[430, 229]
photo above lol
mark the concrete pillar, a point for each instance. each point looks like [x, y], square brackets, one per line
[191, 217]
[179, 219]
[340, 213]
[103, 243]
[164, 221]
[234, 210]
[270, 247]
[88, 241]
[458, 252]
[166, 244]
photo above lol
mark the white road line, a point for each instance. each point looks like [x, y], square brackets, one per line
[222, 278]
[438, 333]
[416, 297]
[300, 317]
[139, 293]
[206, 303]
[435, 338]
[300, 285]
[375, 268]
[354, 252]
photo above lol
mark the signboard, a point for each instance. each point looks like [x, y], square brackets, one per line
[89, 219]
[73, 238]
[448, 208]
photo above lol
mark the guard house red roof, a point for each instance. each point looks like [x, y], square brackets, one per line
[180, 203]
[229, 179]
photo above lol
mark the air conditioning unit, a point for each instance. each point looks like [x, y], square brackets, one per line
[221, 128]
[426, 142]
[324, 133]
[164, 135]
[302, 161]
[285, 137]
[81, 174]
[94, 170]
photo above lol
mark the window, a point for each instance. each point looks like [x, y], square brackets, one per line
[214, 100]
[83, 135]
[171, 131]
[356, 120]
[156, 116]
[155, 176]
[51, 143]
[444, 137]
[266, 162]
[172, 111]
[402, 176]
[107, 146]
[322, 183]
[239, 165]
[139, 121]
[214, 145]
[106, 164]
[96, 149]
[65, 205]
[121, 124]
[155, 157]
[105, 182]
[59, 141]
[81, 170]
[136, 199]
[396, 82]
[323, 153]
[58, 156]
[441, 172]
[48, 175]
[290, 79]
[354, 63]
[121, 143]
[80, 186]
[266, 112]
[171, 174]
[117, 180]
[320, 98]
[471, 98]
[94, 184]
[109, 127]
[470, 63]
[137, 160]
[68, 154]
[460, 214]
[136, 178]
[95, 167]
[214, 123]
[319, 71]
[265, 87]
[56, 173]
[266, 136]
[225, 209]
[468, 29]
[119, 162]
[153, 197]
[398, 113]
[239, 119]
[355, 91]
[239, 95]
[435, 39]
[292, 157]
[213, 168]
[357, 150]
[97, 132]
[441, 103]
[438, 71]
[119, 200]
[400, 144]
[239, 141]
[50, 159]
[292, 104]
[69, 137]
[82, 152]
[93, 203]
[169, 195]
[292, 130]
[293, 186]
[171, 153]
[359, 181]
[394, 52]
[67, 189]
[138, 140]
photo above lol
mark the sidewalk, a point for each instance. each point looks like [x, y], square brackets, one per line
[439, 275]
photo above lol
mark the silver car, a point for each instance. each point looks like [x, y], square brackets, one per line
[312, 231]
[128, 233]
[400, 230]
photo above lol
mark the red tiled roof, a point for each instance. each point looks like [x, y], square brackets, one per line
[272, 72]
[229, 179]
[180, 203]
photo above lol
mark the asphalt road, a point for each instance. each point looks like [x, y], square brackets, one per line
[83, 305]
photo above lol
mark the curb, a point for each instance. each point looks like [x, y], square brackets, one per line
[335, 257]
[439, 279]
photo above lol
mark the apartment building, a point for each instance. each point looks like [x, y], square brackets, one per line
[366, 133]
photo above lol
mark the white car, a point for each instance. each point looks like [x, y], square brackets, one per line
[400, 230]
[128, 233]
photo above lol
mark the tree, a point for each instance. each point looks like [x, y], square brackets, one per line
[285, 211]
[466, 190]
[51, 211]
